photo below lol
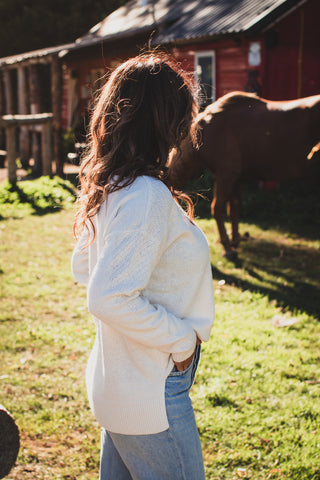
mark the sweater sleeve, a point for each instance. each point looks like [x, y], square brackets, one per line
[80, 259]
[116, 286]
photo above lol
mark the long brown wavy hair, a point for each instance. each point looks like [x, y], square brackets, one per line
[146, 108]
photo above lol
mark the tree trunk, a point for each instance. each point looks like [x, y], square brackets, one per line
[56, 93]
[9, 442]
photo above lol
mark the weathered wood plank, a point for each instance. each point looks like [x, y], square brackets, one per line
[23, 110]
[8, 92]
[56, 93]
[18, 120]
[35, 108]
[2, 109]
[11, 153]
[46, 149]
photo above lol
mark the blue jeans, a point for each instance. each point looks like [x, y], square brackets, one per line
[174, 454]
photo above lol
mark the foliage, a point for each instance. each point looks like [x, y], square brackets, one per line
[38, 196]
[29, 25]
[257, 389]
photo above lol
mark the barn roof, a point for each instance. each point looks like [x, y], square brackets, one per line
[36, 55]
[178, 20]
[173, 21]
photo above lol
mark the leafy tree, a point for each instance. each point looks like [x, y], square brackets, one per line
[32, 24]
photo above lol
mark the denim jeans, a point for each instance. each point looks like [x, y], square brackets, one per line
[174, 454]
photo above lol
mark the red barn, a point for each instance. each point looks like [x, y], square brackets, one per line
[265, 46]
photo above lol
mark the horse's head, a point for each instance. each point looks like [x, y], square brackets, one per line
[182, 164]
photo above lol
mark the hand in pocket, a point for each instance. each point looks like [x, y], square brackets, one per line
[181, 366]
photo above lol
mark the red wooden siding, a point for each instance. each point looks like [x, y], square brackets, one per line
[231, 68]
[231, 58]
[292, 66]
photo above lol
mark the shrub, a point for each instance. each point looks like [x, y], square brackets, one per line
[38, 196]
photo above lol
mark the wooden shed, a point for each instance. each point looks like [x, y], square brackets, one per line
[265, 46]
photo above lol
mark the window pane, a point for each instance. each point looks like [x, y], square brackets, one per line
[205, 78]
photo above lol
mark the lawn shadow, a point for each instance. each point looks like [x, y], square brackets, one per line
[292, 208]
[288, 274]
[41, 199]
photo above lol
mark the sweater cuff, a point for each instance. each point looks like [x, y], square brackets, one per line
[181, 356]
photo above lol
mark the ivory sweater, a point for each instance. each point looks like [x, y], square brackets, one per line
[149, 289]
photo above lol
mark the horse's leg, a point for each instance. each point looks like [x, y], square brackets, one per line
[234, 206]
[221, 194]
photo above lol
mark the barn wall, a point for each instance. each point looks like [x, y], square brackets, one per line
[231, 58]
[292, 63]
[231, 69]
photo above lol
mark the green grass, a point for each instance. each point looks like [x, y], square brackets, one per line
[39, 197]
[256, 396]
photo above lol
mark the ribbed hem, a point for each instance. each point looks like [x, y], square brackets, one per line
[144, 417]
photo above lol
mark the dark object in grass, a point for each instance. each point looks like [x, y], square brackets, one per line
[9, 442]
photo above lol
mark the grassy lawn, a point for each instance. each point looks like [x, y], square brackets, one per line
[256, 396]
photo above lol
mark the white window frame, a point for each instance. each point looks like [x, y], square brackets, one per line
[207, 53]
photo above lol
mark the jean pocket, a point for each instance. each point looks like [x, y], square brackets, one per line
[191, 368]
[176, 373]
[195, 363]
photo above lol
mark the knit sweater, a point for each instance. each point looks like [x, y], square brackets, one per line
[149, 289]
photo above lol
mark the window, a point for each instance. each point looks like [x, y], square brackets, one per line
[254, 57]
[205, 76]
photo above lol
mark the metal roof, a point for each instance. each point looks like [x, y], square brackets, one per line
[176, 20]
[136, 16]
[210, 18]
[173, 21]
[34, 55]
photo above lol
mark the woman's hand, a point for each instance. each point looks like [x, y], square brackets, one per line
[186, 363]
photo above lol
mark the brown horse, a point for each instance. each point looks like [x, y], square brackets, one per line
[245, 137]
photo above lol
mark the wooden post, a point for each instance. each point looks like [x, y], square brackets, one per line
[46, 149]
[43, 121]
[23, 110]
[2, 112]
[8, 92]
[11, 153]
[35, 108]
[56, 93]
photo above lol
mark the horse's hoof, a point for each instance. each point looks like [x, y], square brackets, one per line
[231, 254]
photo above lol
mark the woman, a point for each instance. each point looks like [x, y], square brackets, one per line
[148, 275]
